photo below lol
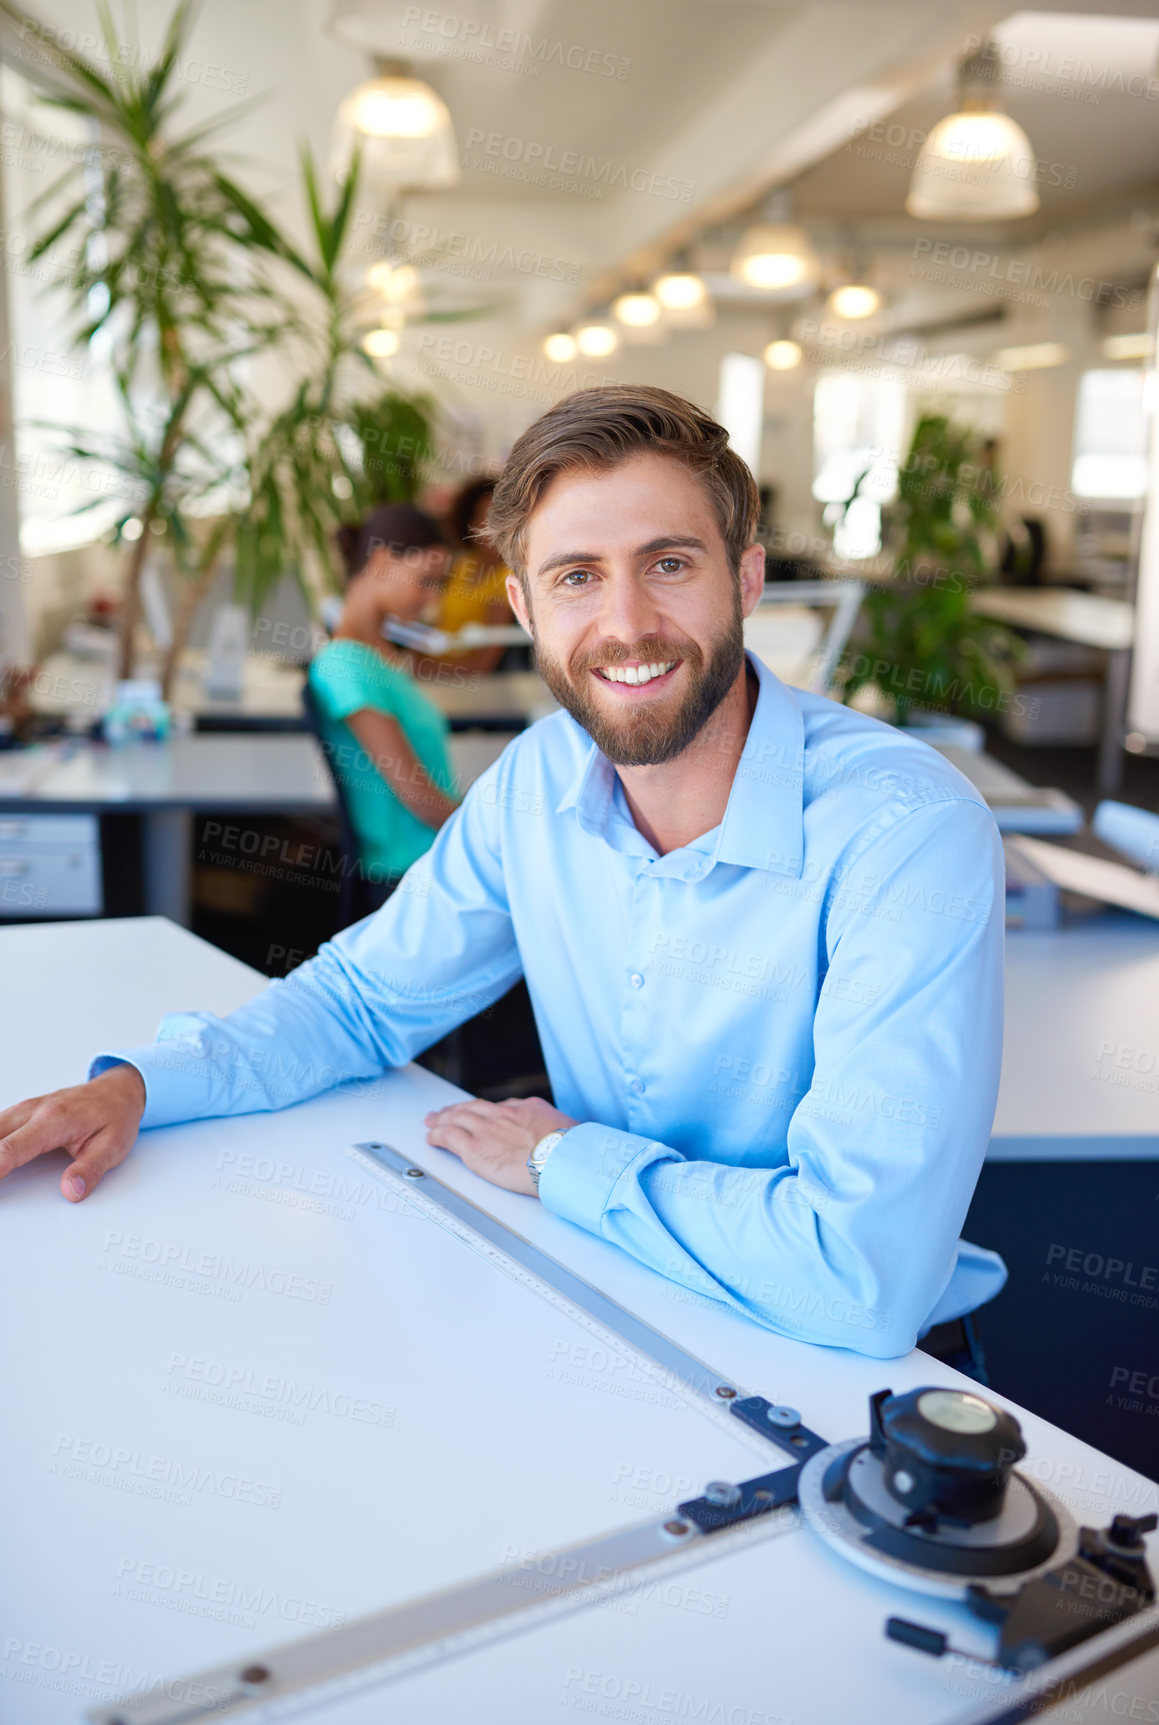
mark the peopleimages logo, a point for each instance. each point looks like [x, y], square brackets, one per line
[475, 39]
[572, 169]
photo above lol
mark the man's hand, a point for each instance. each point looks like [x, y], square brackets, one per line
[95, 1122]
[495, 1139]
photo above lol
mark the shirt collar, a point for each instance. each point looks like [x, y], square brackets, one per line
[763, 825]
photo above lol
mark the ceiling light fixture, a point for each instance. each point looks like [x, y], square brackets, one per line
[775, 257]
[685, 298]
[977, 164]
[854, 300]
[381, 343]
[402, 131]
[395, 282]
[560, 348]
[783, 355]
[679, 290]
[596, 340]
[637, 310]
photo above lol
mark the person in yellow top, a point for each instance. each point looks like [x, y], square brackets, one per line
[477, 589]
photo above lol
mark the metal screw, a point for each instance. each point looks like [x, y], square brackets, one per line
[726, 1392]
[761, 1497]
[416, 1173]
[677, 1529]
[722, 1494]
[782, 1416]
[254, 1675]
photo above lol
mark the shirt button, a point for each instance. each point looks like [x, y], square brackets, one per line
[637, 1087]
[636, 979]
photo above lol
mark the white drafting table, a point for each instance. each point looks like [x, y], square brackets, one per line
[163, 1510]
[167, 783]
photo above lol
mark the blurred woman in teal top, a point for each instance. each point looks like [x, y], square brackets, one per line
[387, 742]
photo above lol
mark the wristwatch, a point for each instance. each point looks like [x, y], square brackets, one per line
[535, 1162]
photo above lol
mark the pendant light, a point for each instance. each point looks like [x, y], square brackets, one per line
[560, 348]
[977, 164]
[640, 317]
[853, 300]
[402, 131]
[783, 355]
[637, 309]
[381, 343]
[685, 298]
[776, 256]
[597, 340]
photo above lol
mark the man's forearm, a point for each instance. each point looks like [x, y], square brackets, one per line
[294, 1040]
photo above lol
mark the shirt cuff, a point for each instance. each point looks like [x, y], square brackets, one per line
[176, 1082]
[581, 1173]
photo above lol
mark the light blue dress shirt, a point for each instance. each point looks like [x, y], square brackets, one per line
[782, 1040]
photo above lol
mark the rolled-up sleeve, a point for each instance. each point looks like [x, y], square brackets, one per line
[852, 1242]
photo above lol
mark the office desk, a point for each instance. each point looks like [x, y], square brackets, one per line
[192, 1475]
[168, 783]
[1091, 620]
[1017, 805]
[1080, 1067]
[67, 687]
[497, 701]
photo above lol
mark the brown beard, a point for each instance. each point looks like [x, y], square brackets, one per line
[647, 738]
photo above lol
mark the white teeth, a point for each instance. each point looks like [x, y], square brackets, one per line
[635, 673]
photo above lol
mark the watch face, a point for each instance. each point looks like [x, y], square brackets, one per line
[544, 1149]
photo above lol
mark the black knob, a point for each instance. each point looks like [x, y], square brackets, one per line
[946, 1454]
[1127, 1531]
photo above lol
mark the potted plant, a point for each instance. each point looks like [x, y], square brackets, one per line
[920, 646]
[184, 276]
[343, 441]
[152, 267]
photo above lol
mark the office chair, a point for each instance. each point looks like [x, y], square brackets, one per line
[356, 896]
[808, 656]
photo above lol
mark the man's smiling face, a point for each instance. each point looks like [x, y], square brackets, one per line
[635, 612]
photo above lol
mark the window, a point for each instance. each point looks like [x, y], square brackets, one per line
[858, 423]
[740, 405]
[53, 383]
[1110, 440]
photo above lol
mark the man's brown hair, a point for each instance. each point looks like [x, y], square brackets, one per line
[597, 429]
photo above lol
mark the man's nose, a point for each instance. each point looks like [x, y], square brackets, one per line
[629, 611]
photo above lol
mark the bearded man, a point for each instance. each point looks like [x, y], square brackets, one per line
[762, 933]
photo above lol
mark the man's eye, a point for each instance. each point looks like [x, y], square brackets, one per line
[670, 565]
[575, 578]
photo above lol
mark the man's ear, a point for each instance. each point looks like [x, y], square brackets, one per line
[517, 599]
[752, 578]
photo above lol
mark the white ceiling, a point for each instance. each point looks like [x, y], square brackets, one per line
[1086, 91]
[722, 99]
